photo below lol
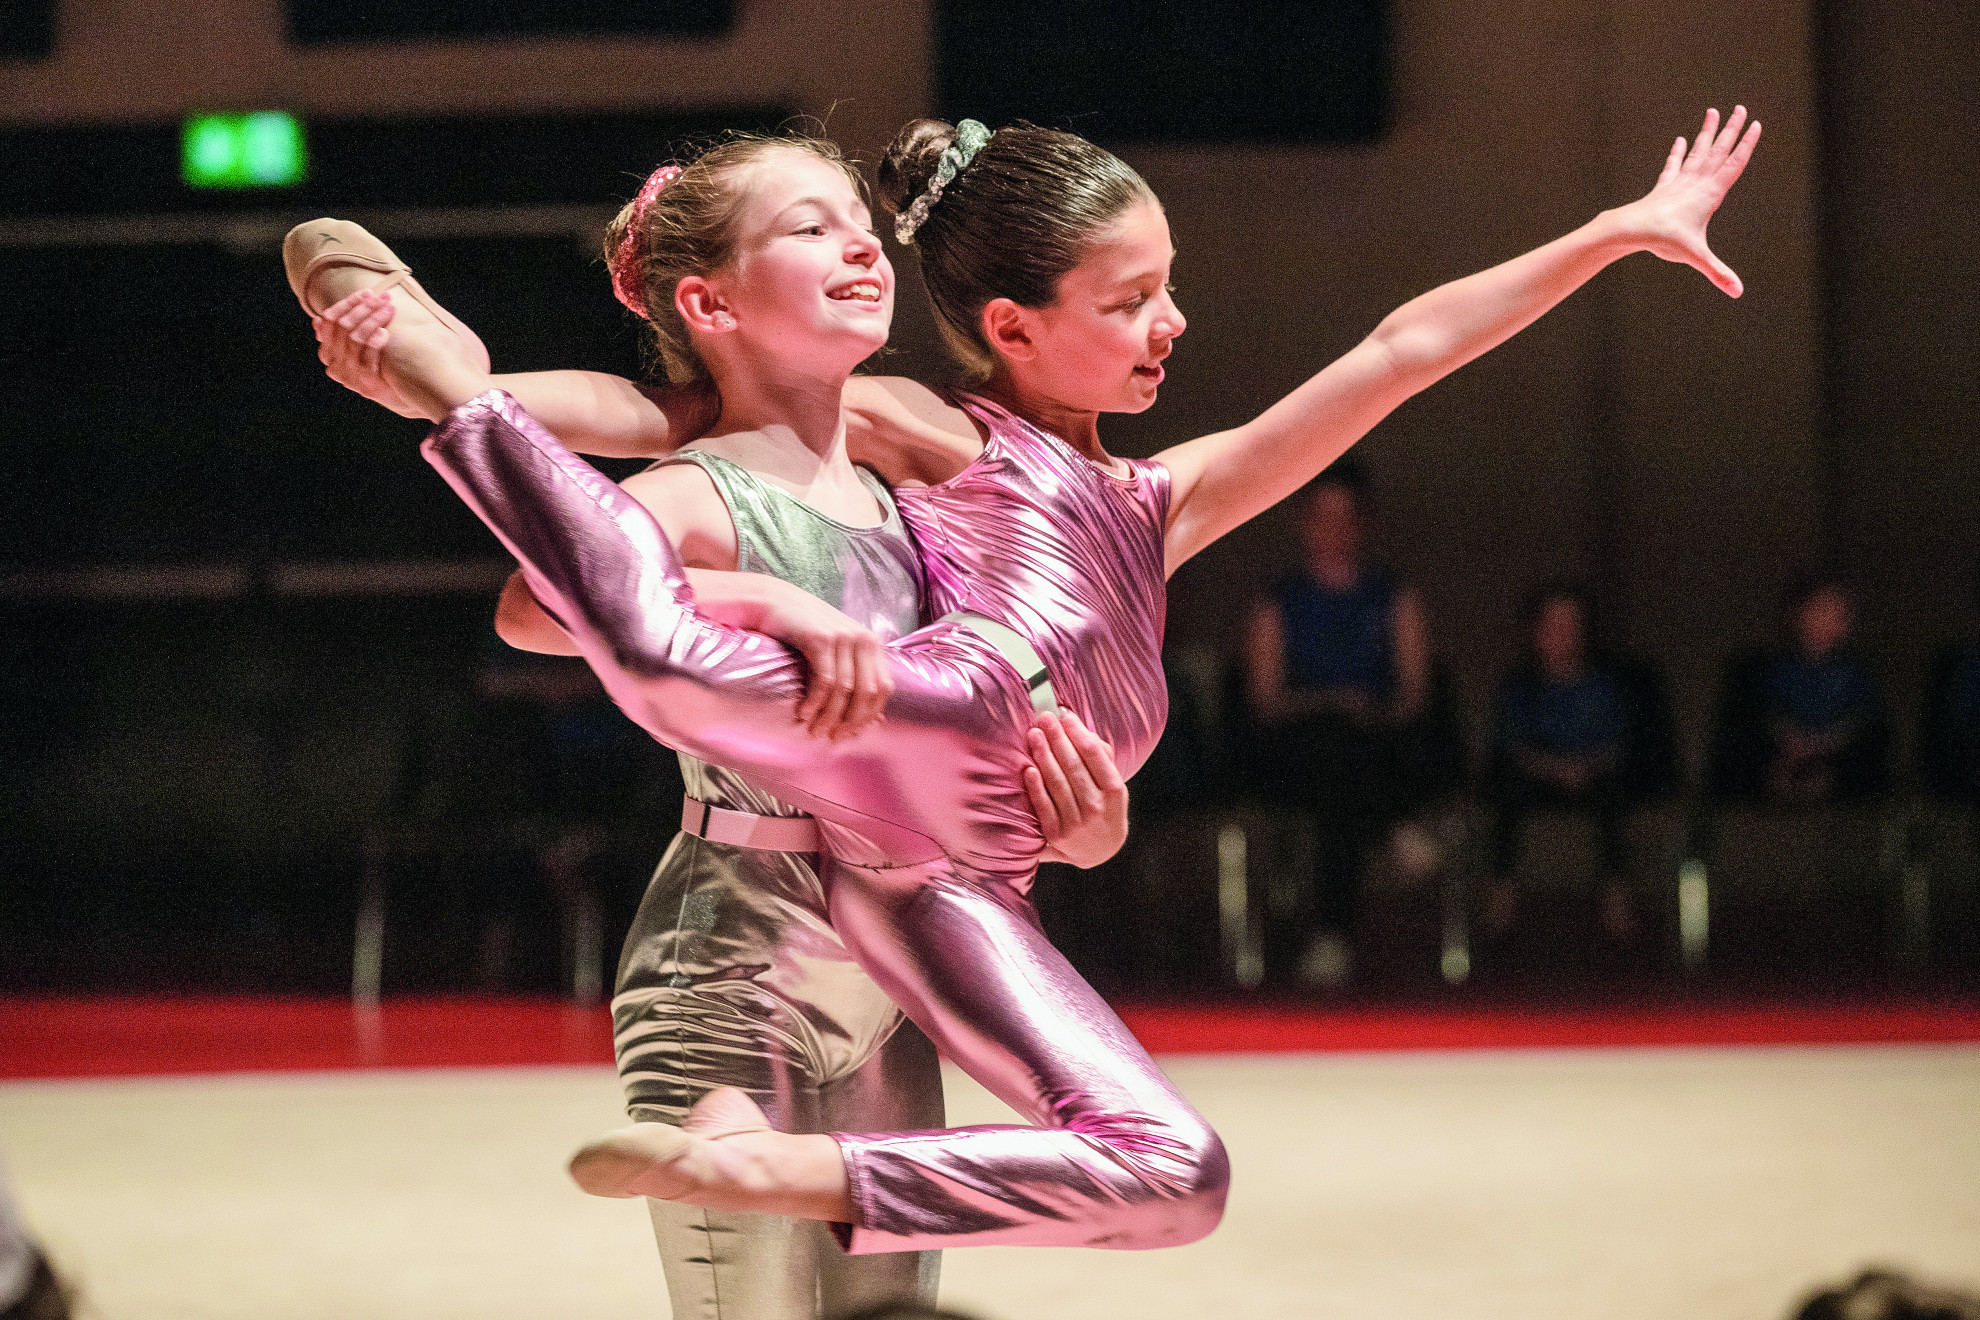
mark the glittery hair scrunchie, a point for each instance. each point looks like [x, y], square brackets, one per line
[627, 286]
[970, 137]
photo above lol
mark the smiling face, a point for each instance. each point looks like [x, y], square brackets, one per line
[1099, 347]
[808, 282]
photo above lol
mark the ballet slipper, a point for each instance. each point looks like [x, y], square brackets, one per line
[641, 1160]
[725, 1156]
[660, 1160]
[328, 260]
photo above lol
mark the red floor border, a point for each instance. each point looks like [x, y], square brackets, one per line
[109, 1037]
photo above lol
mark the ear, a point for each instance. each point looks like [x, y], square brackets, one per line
[702, 306]
[1007, 327]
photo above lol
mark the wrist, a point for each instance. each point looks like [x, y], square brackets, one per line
[1617, 232]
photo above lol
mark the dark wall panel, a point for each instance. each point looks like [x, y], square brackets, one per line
[1270, 71]
[27, 29]
[486, 160]
[165, 404]
[315, 21]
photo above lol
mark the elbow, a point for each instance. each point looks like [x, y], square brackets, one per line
[525, 625]
[1412, 355]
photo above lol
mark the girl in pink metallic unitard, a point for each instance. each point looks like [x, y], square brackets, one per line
[1053, 555]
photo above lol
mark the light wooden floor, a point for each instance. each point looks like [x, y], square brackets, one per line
[1589, 1185]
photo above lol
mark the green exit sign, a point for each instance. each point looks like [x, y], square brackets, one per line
[259, 150]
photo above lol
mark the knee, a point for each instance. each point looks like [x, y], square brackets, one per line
[1189, 1175]
[1204, 1186]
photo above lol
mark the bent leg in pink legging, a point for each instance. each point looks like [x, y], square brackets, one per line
[931, 844]
[1119, 1159]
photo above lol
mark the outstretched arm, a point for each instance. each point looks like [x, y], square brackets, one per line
[591, 412]
[1225, 479]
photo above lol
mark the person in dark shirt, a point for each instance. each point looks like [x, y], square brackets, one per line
[1803, 724]
[1574, 731]
[1337, 666]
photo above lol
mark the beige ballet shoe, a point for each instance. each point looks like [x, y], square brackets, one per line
[328, 260]
[658, 1159]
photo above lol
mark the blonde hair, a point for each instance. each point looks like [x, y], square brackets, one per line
[689, 228]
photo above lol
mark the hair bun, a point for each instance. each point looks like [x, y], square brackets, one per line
[909, 161]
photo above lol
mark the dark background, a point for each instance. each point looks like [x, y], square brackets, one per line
[185, 783]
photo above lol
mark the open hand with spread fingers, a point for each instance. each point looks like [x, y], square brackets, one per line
[1670, 219]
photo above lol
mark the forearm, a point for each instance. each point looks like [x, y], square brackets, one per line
[1431, 336]
[1222, 480]
[741, 600]
[738, 599]
[589, 411]
[609, 416]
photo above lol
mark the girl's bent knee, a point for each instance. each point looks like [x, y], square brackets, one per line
[1207, 1187]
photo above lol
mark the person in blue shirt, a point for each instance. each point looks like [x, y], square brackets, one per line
[1337, 671]
[1574, 731]
[1804, 724]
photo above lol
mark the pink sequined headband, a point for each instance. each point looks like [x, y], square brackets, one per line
[627, 286]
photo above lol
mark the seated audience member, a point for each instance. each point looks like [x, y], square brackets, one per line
[1337, 678]
[521, 782]
[1575, 730]
[1949, 739]
[1888, 1295]
[1803, 724]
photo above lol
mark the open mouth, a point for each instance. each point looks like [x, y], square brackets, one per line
[867, 291]
[1154, 373]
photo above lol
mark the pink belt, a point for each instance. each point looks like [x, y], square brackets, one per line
[741, 828]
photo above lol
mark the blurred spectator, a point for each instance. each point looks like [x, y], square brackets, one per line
[1338, 679]
[29, 1289]
[1136, 921]
[1577, 730]
[525, 782]
[1949, 739]
[1803, 724]
[1888, 1295]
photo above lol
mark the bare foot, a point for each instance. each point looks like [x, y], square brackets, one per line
[725, 1156]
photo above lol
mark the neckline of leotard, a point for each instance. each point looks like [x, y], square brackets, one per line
[889, 512]
[1136, 467]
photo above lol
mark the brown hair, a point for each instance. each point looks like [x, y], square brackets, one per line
[1011, 225]
[689, 228]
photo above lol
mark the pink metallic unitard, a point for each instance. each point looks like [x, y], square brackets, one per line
[931, 842]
